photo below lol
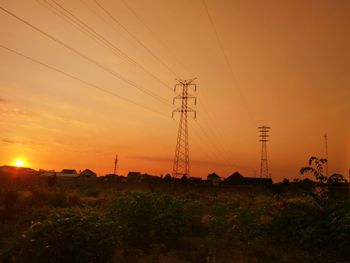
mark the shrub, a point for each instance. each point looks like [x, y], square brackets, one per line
[218, 220]
[67, 236]
[339, 228]
[251, 223]
[59, 199]
[298, 224]
[175, 218]
[9, 204]
[146, 218]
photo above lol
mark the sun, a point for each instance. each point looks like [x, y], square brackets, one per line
[19, 163]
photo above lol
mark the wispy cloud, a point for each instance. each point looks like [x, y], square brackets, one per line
[5, 140]
[168, 159]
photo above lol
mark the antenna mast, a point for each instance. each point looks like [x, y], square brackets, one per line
[326, 151]
[115, 164]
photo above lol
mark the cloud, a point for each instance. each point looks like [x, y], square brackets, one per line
[2, 100]
[168, 159]
[8, 141]
[7, 110]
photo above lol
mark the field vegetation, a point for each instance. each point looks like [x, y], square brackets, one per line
[70, 221]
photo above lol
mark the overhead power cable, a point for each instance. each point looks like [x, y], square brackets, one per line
[216, 133]
[153, 33]
[115, 74]
[81, 80]
[210, 141]
[136, 39]
[232, 75]
[68, 16]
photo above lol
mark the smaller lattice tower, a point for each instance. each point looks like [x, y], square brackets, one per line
[264, 136]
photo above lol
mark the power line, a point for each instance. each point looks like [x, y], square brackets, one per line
[210, 141]
[233, 78]
[153, 33]
[215, 132]
[115, 74]
[207, 114]
[161, 42]
[81, 80]
[85, 28]
[136, 39]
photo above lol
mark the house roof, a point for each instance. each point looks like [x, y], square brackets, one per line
[69, 171]
[88, 171]
[213, 176]
[237, 178]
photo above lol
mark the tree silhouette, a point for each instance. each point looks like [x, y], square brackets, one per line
[335, 179]
[320, 192]
[316, 167]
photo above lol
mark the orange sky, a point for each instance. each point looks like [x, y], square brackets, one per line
[287, 66]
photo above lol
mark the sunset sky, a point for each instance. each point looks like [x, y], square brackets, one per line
[285, 64]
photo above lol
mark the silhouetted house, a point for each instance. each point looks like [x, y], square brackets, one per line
[47, 174]
[113, 178]
[195, 180]
[167, 178]
[67, 174]
[147, 178]
[133, 176]
[88, 174]
[213, 179]
[184, 179]
[237, 179]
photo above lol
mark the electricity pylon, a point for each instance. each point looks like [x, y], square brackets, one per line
[264, 169]
[182, 159]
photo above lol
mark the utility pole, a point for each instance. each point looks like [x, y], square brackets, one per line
[181, 164]
[326, 151]
[264, 170]
[115, 164]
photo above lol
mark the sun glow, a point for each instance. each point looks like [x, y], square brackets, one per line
[19, 163]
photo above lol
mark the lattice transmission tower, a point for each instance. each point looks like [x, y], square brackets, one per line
[264, 169]
[181, 164]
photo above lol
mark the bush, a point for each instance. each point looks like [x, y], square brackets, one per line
[251, 223]
[299, 224]
[339, 228]
[146, 218]
[9, 204]
[67, 236]
[320, 230]
[58, 199]
[219, 220]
